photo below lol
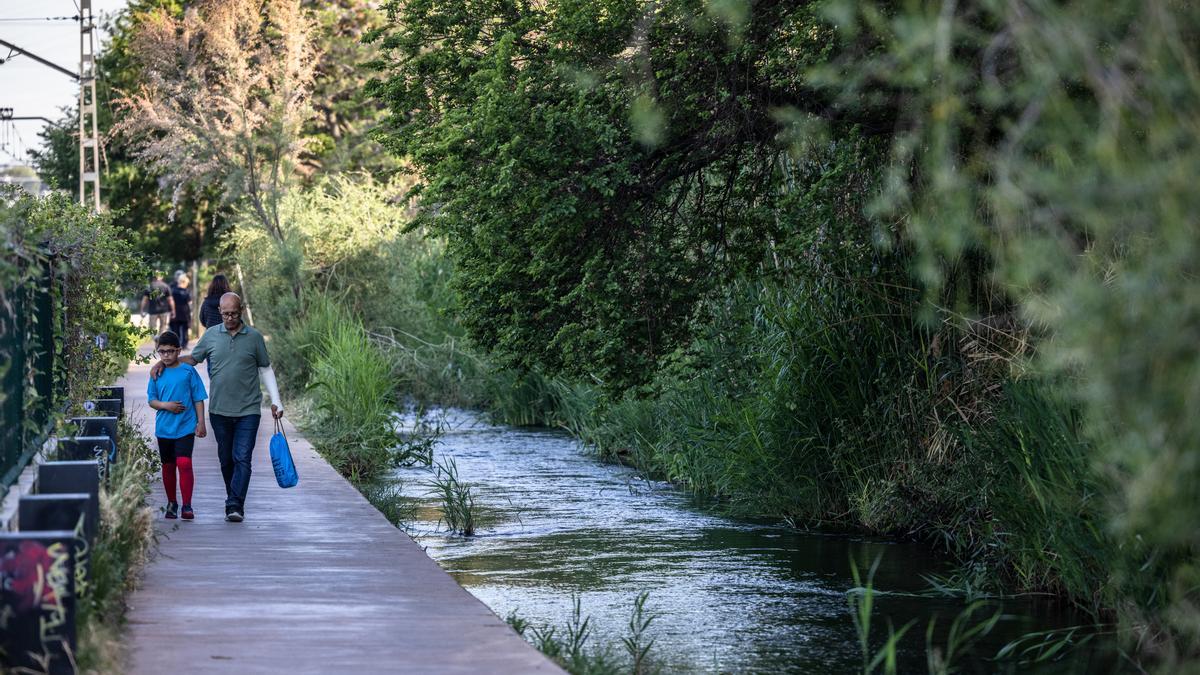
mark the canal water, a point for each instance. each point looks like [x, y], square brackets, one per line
[727, 595]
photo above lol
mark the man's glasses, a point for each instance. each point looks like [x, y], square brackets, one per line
[165, 352]
[230, 315]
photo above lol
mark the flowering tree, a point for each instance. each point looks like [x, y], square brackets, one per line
[222, 98]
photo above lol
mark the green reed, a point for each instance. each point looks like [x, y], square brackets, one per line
[570, 645]
[459, 510]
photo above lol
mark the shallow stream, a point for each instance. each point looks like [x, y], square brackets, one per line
[728, 595]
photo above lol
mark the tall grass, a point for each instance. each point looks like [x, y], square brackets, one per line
[969, 626]
[123, 543]
[965, 630]
[862, 610]
[350, 405]
[355, 404]
[387, 495]
[638, 642]
[297, 344]
[829, 405]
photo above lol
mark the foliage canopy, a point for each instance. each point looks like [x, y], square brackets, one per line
[597, 169]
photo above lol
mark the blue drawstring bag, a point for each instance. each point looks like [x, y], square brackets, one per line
[281, 459]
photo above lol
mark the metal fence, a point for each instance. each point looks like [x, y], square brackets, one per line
[28, 314]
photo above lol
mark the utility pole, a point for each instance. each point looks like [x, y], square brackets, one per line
[89, 172]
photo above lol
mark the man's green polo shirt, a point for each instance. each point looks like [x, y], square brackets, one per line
[233, 363]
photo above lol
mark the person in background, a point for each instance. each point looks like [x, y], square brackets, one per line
[158, 304]
[178, 395]
[181, 318]
[210, 309]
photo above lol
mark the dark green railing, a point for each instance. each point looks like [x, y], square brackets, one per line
[28, 314]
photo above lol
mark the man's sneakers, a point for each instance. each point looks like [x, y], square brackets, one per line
[233, 514]
[187, 513]
[172, 511]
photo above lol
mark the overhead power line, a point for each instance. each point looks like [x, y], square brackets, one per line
[35, 57]
[32, 19]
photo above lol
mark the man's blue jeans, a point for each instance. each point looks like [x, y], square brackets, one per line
[235, 446]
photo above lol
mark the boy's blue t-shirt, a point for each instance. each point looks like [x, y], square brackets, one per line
[181, 383]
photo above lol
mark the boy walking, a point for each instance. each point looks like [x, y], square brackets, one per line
[178, 395]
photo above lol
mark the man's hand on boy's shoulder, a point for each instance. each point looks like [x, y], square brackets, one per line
[158, 367]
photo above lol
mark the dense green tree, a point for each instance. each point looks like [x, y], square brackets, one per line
[221, 96]
[338, 135]
[599, 168]
[1060, 139]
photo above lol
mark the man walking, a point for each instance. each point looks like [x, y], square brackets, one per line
[158, 303]
[237, 357]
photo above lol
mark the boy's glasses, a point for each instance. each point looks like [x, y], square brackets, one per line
[165, 352]
[230, 315]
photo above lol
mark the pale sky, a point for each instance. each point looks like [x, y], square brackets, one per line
[28, 87]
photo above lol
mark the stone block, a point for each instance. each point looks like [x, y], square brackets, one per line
[105, 406]
[78, 476]
[37, 601]
[56, 512]
[83, 448]
[95, 426]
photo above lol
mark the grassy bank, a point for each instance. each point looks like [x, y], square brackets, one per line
[846, 420]
[825, 409]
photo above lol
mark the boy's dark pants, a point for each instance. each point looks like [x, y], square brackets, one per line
[235, 447]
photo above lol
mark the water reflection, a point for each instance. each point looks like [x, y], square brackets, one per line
[730, 596]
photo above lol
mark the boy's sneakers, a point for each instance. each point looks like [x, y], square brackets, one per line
[172, 510]
[233, 514]
[187, 513]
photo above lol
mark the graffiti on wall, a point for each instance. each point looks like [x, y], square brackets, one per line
[36, 600]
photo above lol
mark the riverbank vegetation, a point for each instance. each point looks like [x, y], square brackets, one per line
[921, 270]
[899, 269]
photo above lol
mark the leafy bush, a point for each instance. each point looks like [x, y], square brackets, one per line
[97, 266]
[345, 238]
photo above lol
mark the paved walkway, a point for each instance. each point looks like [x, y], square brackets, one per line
[314, 581]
